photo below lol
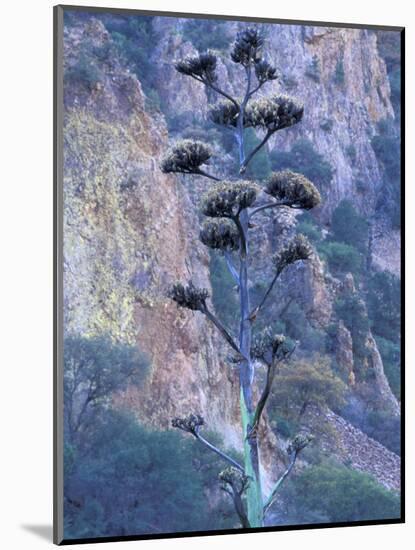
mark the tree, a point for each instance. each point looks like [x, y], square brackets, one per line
[95, 369]
[349, 227]
[302, 383]
[230, 207]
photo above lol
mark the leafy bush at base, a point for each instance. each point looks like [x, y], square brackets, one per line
[334, 493]
[136, 481]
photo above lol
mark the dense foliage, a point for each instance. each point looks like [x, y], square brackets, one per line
[331, 492]
[121, 478]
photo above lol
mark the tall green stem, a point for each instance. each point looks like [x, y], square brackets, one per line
[246, 373]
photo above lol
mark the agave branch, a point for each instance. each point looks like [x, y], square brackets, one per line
[254, 312]
[234, 483]
[297, 249]
[298, 443]
[221, 329]
[279, 353]
[191, 424]
[271, 499]
[219, 452]
[254, 152]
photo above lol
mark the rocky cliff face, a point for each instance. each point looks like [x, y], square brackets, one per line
[130, 230]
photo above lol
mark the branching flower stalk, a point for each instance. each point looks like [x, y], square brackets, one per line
[229, 206]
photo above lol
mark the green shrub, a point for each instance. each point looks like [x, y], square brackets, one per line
[308, 227]
[135, 40]
[327, 124]
[304, 383]
[136, 481]
[351, 152]
[341, 257]
[331, 492]
[386, 145]
[305, 159]
[298, 327]
[84, 72]
[384, 304]
[349, 227]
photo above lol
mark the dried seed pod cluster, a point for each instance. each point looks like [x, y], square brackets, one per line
[298, 443]
[190, 423]
[227, 198]
[247, 47]
[235, 478]
[189, 296]
[290, 110]
[293, 189]
[220, 233]
[201, 67]
[265, 342]
[269, 113]
[224, 113]
[297, 249]
[186, 157]
[265, 71]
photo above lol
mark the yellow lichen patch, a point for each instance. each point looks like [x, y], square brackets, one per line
[102, 248]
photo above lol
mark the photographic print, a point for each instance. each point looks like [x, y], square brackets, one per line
[228, 274]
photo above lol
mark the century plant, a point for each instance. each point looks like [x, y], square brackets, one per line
[230, 206]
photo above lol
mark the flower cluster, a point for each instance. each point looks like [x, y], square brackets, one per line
[201, 67]
[297, 249]
[294, 189]
[189, 296]
[224, 113]
[247, 47]
[265, 72]
[235, 478]
[265, 342]
[262, 113]
[290, 110]
[186, 157]
[220, 233]
[298, 443]
[227, 198]
[271, 114]
[190, 423]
